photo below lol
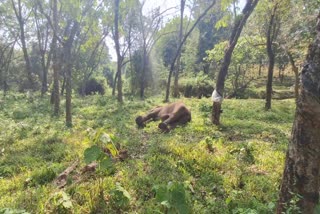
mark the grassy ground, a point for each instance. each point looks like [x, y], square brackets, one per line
[234, 168]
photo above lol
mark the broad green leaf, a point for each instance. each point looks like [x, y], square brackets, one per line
[161, 193]
[106, 163]
[92, 154]
[179, 199]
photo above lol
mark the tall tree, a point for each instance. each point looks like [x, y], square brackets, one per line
[19, 10]
[271, 36]
[43, 35]
[178, 66]
[55, 66]
[237, 28]
[302, 171]
[117, 45]
[173, 63]
[67, 55]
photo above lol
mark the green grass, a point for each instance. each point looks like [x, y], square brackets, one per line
[240, 175]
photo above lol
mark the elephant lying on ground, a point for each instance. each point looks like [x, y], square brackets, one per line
[170, 115]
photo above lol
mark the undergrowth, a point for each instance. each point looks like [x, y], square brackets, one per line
[198, 168]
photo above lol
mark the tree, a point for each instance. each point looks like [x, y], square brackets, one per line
[173, 63]
[178, 66]
[237, 28]
[117, 45]
[272, 32]
[43, 35]
[301, 172]
[55, 66]
[21, 15]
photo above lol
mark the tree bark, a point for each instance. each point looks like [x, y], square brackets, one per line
[18, 12]
[119, 57]
[270, 37]
[143, 72]
[295, 70]
[301, 172]
[55, 66]
[68, 71]
[238, 26]
[172, 66]
[178, 66]
[260, 67]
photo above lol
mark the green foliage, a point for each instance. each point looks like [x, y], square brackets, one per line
[120, 198]
[96, 153]
[240, 162]
[173, 197]
[42, 177]
[60, 202]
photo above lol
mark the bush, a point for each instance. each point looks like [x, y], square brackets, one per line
[201, 86]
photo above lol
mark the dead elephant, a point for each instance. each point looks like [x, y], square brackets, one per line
[170, 115]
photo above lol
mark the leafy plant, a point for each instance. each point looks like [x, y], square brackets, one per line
[173, 197]
[103, 142]
[60, 203]
[120, 198]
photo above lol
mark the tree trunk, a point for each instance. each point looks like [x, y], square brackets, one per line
[238, 26]
[172, 66]
[55, 66]
[114, 84]
[178, 66]
[116, 41]
[63, 86]
[18, 12]
[295, 70]
[270, 52]
[68, 71]
[42, 43]
[301, 173]
[143, 72]
[260, 67]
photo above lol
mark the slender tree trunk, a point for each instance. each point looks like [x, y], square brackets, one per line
[172, 66]
[119, 57]
[219, 90]
[18, 12]
[270, 52]
[114, 84]
[55, 61]
[45, 61]
[302, 167]
[143, 72]
[178, 66]
[295, 70]
[68, 71]
[63, 86]
[260, 67]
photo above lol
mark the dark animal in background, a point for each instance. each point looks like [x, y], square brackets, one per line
[92, 86]
[171, 115]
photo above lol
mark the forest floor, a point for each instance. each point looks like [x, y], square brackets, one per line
[197, 168]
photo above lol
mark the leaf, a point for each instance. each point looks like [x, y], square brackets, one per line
[105, 138]
[106, 163]
[161, 193]
[166, 204]
[113, 149]
[179, 199]
[92, 154]
[67, 204]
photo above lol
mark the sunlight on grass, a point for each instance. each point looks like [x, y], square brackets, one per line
[236, 166]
